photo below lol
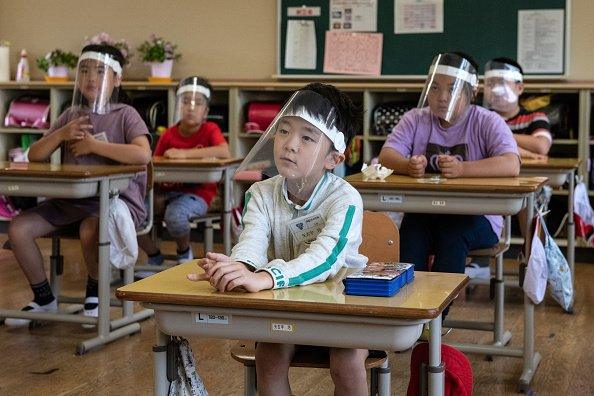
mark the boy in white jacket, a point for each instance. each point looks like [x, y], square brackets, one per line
[301, 226]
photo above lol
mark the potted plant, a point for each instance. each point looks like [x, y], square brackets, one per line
[56, 64]
[4, 60]
[104, 38]
[160, 54]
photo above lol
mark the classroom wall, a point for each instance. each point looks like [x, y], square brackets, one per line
[221, 39]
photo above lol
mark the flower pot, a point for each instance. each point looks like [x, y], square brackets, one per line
[4, 63]
[162, 70]
[57, 74]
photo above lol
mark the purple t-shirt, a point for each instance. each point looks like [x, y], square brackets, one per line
[480, 134]
[121, 125]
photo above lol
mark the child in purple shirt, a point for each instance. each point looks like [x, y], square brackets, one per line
[95, 130]
[449, 136]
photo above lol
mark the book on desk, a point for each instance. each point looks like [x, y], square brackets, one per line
[381, 279]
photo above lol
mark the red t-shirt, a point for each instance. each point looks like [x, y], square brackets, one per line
[208, 135]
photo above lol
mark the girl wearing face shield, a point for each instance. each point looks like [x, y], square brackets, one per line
[449, 136]
[95, 130]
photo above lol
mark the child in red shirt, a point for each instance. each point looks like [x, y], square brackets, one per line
[190, 137]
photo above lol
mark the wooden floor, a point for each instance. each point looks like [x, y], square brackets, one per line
[42, 361]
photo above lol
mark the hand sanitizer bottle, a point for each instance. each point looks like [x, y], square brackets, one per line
[22, 74]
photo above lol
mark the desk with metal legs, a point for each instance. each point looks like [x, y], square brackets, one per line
[470, 196]
[318, 314]
[558, 171]
[205, 170]
[79, 181]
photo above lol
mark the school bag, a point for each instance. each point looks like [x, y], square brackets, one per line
[535, 277]
[386, 116]
[458, 371]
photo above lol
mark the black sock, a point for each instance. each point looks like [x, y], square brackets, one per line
[42, 293]
[92, 291]
[184, 251]
[158, 253]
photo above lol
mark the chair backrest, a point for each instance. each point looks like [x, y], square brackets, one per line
[150, 199]
[381, 239]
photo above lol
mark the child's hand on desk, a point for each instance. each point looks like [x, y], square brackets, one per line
[225, 274]
[417, 165]
[530, 155]
[450, 166]
[76, 129]
[83, 146]
[174, 153]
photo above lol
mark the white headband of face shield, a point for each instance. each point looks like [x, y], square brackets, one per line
[335, 136]
[103, 58]
[194, 88]
[455, 72]
[509, 75]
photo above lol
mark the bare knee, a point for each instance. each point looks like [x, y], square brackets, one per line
[273, 359]
[347, 368]
[89, 232]
[26, 227]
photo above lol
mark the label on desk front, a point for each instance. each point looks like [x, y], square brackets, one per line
[286, 327]
[391, 198]
[14, 187]
[204, 318]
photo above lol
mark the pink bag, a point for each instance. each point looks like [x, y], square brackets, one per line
[260, 115]
[27, 112]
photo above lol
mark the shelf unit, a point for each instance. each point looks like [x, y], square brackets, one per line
[233, 96]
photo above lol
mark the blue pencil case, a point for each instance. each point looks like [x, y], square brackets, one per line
[379, 279]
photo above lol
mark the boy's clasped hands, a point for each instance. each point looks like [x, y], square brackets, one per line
[226, 274]
[450, 166]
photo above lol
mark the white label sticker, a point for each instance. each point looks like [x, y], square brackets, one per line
[283, 327]
[307, 228]
[211, 318]
[436, 202]
[396, 199]
[14, 187]
[102, 136]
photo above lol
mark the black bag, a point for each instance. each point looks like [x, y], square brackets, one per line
[220, 116]
[387, 115]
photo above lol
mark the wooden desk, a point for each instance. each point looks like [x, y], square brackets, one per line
[311, 315]
[78, 181]
[470, 196]
[202, 171]
[558, 171]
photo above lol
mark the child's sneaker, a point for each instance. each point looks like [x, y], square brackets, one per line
[91, 309]
[32, 307]
[475, 271]
[154, 260]
[183, 257]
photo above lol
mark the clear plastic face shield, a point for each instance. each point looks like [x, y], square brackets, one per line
[98, 78]
[502, 86]
[301, 143]
[450, 87]
[191, 103]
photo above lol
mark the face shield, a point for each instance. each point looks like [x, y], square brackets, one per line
[98, 78]
[191, 102]
[450, 86]
[299, 144]
[501, 86]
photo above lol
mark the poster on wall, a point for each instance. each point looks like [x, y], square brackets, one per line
[353, 53]
[300, 48]
[353, 15]
[418, 16]
[540, 40]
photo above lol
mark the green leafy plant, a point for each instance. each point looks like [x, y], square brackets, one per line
[156, 49]
[57, 57]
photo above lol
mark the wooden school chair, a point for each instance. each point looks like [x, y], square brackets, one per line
[381, 242]
[497, 291]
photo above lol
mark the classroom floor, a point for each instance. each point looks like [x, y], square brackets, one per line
[42, 361]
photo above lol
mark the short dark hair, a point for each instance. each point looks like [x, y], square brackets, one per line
[349, 116]
[509, 61]
[197, 80]
[463, 55]
[110, 50]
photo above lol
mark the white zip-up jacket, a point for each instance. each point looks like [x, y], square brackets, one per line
[299, 245]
